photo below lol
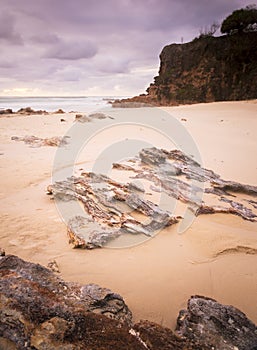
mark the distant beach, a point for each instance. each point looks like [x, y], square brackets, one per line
[157, 277]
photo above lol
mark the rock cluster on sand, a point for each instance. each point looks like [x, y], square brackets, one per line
[41, 311]
[34, 141]
[108, 203]
[29, 111]
[82, 118]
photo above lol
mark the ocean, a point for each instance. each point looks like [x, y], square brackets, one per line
[51, 104]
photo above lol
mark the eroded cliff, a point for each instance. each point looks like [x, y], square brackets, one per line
[206, 69]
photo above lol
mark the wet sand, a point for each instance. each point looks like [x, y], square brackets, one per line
[215, 257]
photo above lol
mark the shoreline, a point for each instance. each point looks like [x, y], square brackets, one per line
[166, 270]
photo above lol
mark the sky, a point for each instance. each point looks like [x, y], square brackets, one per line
[95, 47]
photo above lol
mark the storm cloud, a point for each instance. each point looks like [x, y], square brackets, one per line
[95, 47]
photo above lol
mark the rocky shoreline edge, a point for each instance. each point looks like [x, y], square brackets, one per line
[41, 311]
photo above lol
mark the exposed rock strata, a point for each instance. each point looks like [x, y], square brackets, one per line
[109, 205]
[41, 311]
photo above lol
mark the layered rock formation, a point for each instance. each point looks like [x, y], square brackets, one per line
[204, 70]
[40, 311]
[110, 206]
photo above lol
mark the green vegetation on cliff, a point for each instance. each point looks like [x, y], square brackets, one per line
[208, 68]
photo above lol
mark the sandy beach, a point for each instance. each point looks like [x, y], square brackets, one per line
[215, 257]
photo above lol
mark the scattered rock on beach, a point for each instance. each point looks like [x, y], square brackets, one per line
[98, 116]
[53, 266]
[29, 111]
[41, 311]
[82, 118]
[34, 141]
[6, 111]
[59, 111]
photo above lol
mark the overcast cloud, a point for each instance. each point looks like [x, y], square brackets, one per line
[94, 47]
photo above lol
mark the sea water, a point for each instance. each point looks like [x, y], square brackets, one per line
[52, 104]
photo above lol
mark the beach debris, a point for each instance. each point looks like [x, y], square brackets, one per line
[40, 311]
[62, 120]
[34, 141]
[110, 206]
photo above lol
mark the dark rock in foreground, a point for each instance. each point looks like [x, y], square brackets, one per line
[41, 311]
[39, 308]
[216, 326]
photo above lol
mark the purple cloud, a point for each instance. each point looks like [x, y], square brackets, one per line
[72, 50]
[8, 31]
[97, 45]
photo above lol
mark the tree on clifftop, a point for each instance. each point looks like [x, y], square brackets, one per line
[239, 21]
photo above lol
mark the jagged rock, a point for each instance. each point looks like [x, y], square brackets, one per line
[156, 337]
[39, 309]
[108, 203]
[215, 326]
[164, 169]
[107, 207]
[34, 141]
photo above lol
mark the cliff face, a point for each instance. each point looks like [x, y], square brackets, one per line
[204, 70]
[207, 69]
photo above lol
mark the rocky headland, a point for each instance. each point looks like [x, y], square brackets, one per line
[206, 69]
